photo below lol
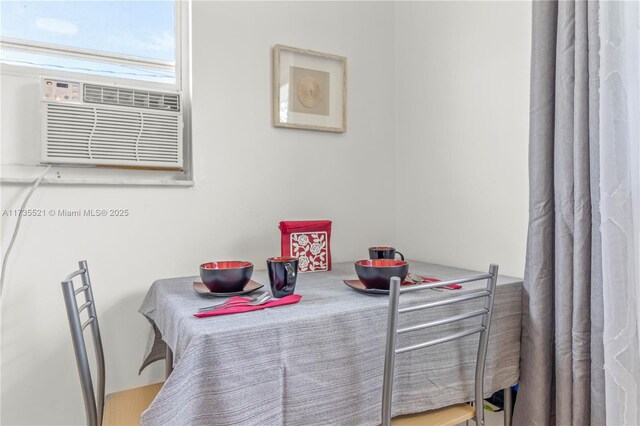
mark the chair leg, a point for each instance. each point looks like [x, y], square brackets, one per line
[168, 360]
[508, 403]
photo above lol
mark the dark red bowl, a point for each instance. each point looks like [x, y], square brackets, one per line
[377, 273]
[226, 276]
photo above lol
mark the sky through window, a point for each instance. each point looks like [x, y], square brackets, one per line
[138, 29]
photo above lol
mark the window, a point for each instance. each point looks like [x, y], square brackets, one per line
[124, 39]
[131, 58]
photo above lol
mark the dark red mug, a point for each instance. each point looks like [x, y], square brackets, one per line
[384, 253]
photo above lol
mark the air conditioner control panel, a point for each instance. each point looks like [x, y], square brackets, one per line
[61, 91]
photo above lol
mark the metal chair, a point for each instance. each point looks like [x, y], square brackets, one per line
[120, 408]
[457, 413]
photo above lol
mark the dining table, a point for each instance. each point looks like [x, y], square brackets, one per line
[319, 361]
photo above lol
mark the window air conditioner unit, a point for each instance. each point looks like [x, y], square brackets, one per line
[92, 124]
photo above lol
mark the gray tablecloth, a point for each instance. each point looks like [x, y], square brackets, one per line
[318, 362]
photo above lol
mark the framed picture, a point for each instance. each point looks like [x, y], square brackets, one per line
[309, 90]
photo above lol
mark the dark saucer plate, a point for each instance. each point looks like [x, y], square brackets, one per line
[359, 286]
[200, 288]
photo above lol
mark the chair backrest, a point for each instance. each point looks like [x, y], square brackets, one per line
[93, 405]
[482, 327]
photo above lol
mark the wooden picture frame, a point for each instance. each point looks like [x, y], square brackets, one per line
[309, 90]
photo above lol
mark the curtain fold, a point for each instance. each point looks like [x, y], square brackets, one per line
[562, 276]
[598, 406]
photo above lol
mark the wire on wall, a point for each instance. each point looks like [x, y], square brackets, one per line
[15, 231]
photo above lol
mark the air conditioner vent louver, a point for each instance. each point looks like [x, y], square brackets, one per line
[131, 97]
[109, 136]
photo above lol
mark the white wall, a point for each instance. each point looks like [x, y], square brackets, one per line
[462, 73]
[250, 175]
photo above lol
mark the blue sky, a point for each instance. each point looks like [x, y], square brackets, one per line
[135, 28]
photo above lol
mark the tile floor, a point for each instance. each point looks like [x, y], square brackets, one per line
[493, 419]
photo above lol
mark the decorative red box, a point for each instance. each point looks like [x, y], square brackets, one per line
[309, 241]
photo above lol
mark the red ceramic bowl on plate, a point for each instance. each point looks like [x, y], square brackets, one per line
[377, 273]
[226, 276]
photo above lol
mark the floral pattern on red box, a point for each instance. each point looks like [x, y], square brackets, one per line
[311, 250]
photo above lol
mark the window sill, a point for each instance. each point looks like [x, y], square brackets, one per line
[89, 181]
[27, 174]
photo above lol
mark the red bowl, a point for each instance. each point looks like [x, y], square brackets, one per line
[226, 276]
[377, 273]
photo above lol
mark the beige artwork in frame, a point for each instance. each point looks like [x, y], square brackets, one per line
[309, 89]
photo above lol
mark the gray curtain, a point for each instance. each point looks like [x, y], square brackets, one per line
[561, 377]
